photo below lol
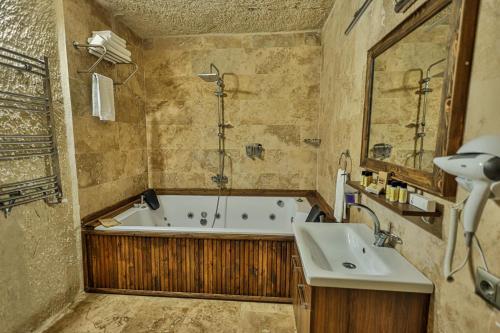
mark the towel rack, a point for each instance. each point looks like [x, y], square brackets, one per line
[77, 45]
[30, 150]
[345, 157]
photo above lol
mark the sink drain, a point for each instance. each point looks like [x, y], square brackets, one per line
[349, 265]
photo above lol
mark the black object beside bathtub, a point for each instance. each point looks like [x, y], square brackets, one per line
[316, 214]
[151, 199]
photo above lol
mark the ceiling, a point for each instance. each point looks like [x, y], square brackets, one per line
[154, 18]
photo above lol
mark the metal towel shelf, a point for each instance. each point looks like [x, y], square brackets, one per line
[30, 147]
[77, 45]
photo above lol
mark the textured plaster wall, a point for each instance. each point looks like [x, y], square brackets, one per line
[455, 307]
[110, 156]
[39, 260]
[272, 86]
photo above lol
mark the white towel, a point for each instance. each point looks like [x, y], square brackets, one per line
[339, 211]
[118, 54]
[110, 44]
[103, 99]
[108, 34]
[117, 45]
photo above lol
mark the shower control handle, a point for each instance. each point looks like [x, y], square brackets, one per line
[254, 150]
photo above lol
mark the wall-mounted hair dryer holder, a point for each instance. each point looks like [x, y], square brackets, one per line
[477, 169]
[254, 150]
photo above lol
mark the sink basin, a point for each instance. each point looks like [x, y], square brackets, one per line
[342, 255]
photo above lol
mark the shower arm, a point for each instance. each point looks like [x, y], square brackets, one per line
[212, 66]
[427, 80]
[428, 73]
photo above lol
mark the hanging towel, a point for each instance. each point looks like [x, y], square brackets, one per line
[339, 211]
[103, 99]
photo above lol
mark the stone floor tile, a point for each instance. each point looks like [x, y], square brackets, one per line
[98, 313]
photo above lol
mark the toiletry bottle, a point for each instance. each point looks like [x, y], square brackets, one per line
[394, 191]
[388, 190]
[369, 178]
[391, 189]
[363, 178]
[403, 193]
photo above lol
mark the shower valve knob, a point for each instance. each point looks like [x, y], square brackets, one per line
[254, 150]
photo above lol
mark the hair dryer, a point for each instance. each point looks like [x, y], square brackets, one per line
[477, 167]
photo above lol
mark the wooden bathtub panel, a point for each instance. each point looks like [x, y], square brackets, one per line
[257, 269]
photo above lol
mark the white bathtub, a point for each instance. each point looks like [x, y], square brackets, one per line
[238, 214]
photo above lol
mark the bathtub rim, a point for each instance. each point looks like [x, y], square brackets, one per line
[191, 234]
[90, 221]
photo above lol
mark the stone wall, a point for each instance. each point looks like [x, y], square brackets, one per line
[455, 307]
[40, 266]
[110, 156]
[272, 86]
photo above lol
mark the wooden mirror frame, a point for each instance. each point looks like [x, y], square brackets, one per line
[455, 92]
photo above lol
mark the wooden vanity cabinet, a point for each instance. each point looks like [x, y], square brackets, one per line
[341, 310]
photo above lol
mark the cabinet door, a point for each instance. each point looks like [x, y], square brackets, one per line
[301, 298]
[293, 289]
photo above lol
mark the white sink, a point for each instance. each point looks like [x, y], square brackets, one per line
[327, 248]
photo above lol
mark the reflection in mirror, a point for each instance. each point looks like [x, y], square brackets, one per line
[407, 95]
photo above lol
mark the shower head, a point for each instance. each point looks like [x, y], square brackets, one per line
[209, 77]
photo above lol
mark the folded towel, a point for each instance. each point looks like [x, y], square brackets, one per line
[109, 56]
[103, 99]
[108, 223]
[339, 211]
[108, 34]
[110, 43]
[119, 54]
[116, 45]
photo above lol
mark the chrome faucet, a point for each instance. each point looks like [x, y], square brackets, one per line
[382, 238]
[142, 204]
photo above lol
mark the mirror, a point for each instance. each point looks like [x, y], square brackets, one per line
[412, 94]
[407, 95]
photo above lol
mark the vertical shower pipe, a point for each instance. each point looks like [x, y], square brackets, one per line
[417, 119]
[425, 91]
[221, 130]
[219, 179]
